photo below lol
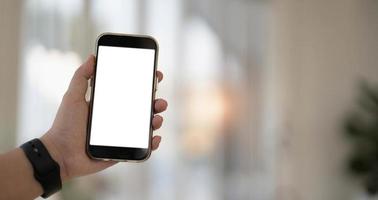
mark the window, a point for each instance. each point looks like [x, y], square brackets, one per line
[194, 159]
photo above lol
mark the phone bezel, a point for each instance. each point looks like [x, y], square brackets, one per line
[122, 153]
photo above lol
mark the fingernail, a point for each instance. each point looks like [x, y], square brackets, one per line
[159, 140]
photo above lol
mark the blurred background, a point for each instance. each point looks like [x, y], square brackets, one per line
[258, 91]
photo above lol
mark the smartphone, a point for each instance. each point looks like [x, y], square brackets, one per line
[122, 95]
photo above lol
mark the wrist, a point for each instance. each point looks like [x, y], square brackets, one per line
[54, 152]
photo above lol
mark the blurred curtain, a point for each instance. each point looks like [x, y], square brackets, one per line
[10, 19]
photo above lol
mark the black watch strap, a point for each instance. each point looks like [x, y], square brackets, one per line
[46, 170]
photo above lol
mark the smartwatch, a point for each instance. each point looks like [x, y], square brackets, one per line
[46, 169]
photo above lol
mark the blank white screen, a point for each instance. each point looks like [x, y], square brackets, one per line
[122, 98]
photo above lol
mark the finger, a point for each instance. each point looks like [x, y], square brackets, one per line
[100, 164]
[156, 142]
[160, 105]
[157, 121]
[79, 83]
[159, 75]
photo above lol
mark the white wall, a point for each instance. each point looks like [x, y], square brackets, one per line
[320, 50]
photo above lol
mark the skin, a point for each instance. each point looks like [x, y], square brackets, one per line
[65, 141]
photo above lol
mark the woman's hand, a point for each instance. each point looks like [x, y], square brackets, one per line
[66, 138]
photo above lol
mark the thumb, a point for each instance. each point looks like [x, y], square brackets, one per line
[79, 83]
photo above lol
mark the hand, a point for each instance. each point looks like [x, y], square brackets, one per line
[66, 138]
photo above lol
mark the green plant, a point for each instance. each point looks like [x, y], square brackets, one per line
[361, 126]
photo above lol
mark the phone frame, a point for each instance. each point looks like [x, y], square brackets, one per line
[122, 153]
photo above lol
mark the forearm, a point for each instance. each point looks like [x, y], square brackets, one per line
[16, 177]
